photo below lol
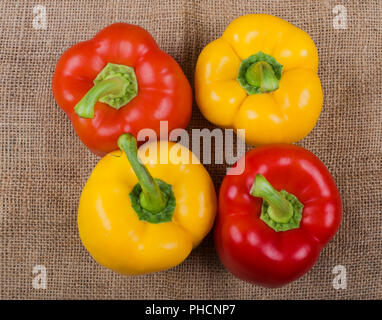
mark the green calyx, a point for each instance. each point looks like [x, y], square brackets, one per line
[280, 210]
[260, 73]
[115, 85]
[138, 203]
[152, 199]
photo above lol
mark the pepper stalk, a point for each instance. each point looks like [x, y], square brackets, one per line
[115, 85]
[281, 210]
[152, 199]
[259, 73]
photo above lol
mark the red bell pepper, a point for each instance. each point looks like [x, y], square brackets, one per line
[117, 82]
[276, 216]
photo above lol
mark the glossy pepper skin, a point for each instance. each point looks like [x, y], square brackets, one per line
[120, 239]
[248, 246]
[280, 108]
[161, 90]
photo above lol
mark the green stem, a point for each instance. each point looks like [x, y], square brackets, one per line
[261, 75]
[151, 197]
[85, 108]
[280, 209]
[115, 85]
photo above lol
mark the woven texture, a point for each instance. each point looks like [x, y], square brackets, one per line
[44, 165]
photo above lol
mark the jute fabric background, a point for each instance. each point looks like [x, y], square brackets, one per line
[44, 165]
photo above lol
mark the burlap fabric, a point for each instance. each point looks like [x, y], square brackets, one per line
[44, 165]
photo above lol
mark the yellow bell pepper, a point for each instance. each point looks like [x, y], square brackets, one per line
[133, 223]
[261, 76]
